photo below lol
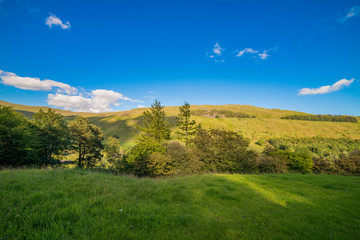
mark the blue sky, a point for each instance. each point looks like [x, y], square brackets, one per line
[116, 55]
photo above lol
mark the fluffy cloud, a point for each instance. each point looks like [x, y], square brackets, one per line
[53, 20]
[28, 83]
[68, 97]
[353, 12]
[100, 100]
[326, 89]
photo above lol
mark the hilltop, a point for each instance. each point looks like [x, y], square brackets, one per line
[267, 124]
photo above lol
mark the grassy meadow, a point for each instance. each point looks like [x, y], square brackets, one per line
[80, 204]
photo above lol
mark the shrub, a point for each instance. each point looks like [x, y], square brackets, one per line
[137, 160]
[348, 166]
[223, 151]
[268, 164]
[183, 158]
[322, 165]
[159, 164]
[298, 162]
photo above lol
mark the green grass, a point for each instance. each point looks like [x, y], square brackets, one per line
[79, 204]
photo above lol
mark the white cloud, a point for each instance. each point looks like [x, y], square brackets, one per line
[326, 89]
[100, 100]
[77, 103]
[141, 106]
[246, 50]
[28, 83]
[217, 49]
[353, 12]
[53, 20]
[264, 55]
[68, 97]
[215, 53]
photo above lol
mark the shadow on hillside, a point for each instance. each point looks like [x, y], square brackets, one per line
[123, 129]
[27, 114]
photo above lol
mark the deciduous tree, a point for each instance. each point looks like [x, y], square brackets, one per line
[53, 134]
[87, 139]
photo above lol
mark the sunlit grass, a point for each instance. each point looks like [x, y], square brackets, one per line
[80, 204]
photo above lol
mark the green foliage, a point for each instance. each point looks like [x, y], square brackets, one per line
[324, 117]
[223, 151]
[155, 124]
[53, 134]
[18, 139]
[348, 166]
[113, 153]
[138, 159]
[268, 164]
[323, 166]
[221, 113]
[159, 164]
[328, 148]
[298, 162]
[183, 158]
[188, 126]
[87, 139]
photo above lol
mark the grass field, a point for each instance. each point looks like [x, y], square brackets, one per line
[267, 123]
[79, 204]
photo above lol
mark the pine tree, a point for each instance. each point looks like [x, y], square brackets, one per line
[188, 126]
[155, 124]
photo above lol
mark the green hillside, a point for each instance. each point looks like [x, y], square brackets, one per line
[267, 123]
[79, 204]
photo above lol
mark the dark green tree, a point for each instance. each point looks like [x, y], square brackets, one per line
[18, 145]
[87, 139]
[155, 124]
[53, 134]
[187, 126]
[222, 150]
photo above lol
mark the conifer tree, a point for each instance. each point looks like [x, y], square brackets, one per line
[188, 126]
[155, 124]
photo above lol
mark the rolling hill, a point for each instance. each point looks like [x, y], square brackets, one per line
[267, 123]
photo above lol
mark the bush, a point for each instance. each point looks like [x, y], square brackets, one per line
[159, 164]
[348, 166]
[268, 164]
[322, 165]
[183, 158]
[223, 151]
[298, 162]
[137, 160]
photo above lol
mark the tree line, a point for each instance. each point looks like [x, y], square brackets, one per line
[221, 114]
[322, 117]
[47, 138]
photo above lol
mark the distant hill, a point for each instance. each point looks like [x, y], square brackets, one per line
[267, 124]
